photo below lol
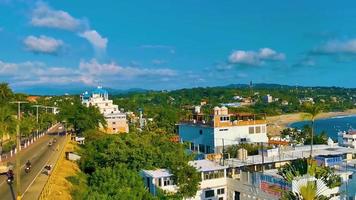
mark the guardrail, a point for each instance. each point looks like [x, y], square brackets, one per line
[47, 188]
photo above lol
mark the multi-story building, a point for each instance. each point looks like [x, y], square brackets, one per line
[212, 187]
[347, 139]
[254, 177]
[116, 120]
[268, 99]
[210, 134]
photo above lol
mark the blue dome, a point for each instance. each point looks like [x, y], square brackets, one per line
[85, 96]
[100, 90]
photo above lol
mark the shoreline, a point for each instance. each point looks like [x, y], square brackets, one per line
[275, 124]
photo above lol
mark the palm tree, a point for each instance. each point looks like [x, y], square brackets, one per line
[311, 112]
[310, 180]
[7, 123]
[5, 92]
[27, 126]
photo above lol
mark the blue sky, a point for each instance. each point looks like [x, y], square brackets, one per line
[165, 44]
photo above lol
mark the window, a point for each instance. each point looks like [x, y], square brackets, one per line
[167, 181]
[159, 182]
[224, 118]
[251, 130]
[263, 129]
[221, 198]
[106, 104]
[237, 195]
[202, 148]
[201, 132]
[113, 122]
[221, 191]
[243, 140]
[214, 174]
[192, 146]
[209, 193]
[258, 129]
[208, 149]
[113, 129]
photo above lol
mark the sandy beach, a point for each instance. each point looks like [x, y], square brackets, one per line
[278, 123]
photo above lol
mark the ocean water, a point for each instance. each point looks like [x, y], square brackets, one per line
[331, 125]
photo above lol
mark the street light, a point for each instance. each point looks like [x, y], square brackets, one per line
[18, 144]
[37, 106]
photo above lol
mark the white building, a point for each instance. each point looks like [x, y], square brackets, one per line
[209, 134]
[212, 187]
[116, 120]
[347, 139]
[268, 99]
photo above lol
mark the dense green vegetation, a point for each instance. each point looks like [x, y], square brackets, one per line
[8, 119]
[304, 136]
[168, 107]
[111, 165]
[79, 117]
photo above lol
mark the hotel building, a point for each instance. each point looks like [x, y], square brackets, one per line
[210, 134]
[116, 120]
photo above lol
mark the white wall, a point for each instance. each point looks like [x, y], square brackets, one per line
[232, 135]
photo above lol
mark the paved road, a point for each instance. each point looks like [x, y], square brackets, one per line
[38, 153]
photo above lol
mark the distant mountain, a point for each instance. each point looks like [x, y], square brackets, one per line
[71, 90]
[78, 89]
[259, 85]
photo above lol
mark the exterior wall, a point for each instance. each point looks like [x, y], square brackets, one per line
[247, 186]
[116, 121]
[215, 137]
[203, 135]
[237, 134]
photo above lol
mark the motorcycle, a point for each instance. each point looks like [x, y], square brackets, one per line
[28, 169]
[10, 178]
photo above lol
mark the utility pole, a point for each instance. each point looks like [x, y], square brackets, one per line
[18, 144]
[37, 106]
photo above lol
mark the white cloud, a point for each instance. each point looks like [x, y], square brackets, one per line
[93, 70]
[254, 58]
[44, 16]
[42, 44]
[337, 47]
[95, 39]
[87, 73]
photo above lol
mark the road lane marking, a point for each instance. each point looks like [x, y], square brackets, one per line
[56, 160]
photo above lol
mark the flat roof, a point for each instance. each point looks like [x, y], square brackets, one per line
[158, 173]
[206, 165]
[291, 154]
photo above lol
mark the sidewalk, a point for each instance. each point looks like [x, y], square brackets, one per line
[36, 187]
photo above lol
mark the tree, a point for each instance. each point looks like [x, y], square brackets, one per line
[7, 123]
[5, 93]
[311, 111]
[302, 167]
[27, 125]
[117, 182]
[143, 150]
[81, 118]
